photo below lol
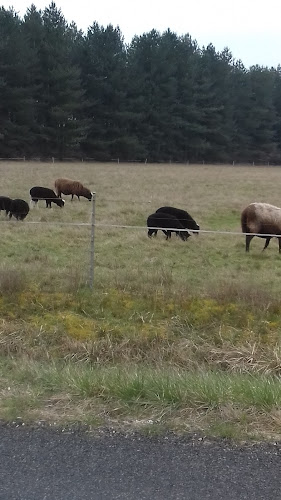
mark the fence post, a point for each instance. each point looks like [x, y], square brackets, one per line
[92, 252]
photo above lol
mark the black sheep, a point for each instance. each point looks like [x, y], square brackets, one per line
[19, 209]
[184, 217]
[161, 220]
[42, 193]
[5, 203]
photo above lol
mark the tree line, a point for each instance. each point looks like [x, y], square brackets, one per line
[64, 93]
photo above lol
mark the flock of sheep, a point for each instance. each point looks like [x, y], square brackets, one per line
[257, 219]
[19, 208]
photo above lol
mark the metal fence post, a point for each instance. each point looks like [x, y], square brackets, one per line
[92, 252]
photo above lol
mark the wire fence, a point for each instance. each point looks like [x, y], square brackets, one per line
[52, 159]
[93, 224]
[125, 226]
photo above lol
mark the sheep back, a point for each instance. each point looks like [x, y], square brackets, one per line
[184, 217]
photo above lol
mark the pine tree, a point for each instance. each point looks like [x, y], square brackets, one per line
[16, 104]
[152, 92]
[277, 108]
[103, 64]
[212, 77]
[263, 116]
[59, 107]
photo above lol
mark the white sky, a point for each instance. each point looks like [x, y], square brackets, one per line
[249, 28]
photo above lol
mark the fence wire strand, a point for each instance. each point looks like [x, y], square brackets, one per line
[124, 226]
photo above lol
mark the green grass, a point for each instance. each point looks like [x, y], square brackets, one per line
[147, 386]
[172, 398]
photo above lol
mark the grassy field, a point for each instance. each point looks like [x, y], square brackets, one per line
[181, 335]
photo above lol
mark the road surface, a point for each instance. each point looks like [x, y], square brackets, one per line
[48, 464]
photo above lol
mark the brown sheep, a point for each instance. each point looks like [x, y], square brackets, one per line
[259, 219]
[67, 186]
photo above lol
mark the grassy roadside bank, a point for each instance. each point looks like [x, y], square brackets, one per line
[147, 363]
[143, 398]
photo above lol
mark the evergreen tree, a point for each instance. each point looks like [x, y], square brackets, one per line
[191, 132]
[263, 117]
[32, 28]
[16, 105]
[277, 108]
[103, 63]
[60, 121]
[212, 76]
[240, 97]
[153, 93]
[142, 59]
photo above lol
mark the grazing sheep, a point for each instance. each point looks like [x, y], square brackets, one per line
[42, 193]
[5, 203]
[67, 186]
[162, 220]
[261, 218]
[19, 209]
[186, 220]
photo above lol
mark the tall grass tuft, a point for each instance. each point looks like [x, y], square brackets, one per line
[12, 281]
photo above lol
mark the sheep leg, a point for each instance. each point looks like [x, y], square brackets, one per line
[168, 234]
[249, 237]
[267, 243]
[184, 235]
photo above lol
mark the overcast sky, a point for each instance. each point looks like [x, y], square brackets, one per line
[249, 28]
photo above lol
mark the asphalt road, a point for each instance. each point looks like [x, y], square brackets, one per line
[47, 464]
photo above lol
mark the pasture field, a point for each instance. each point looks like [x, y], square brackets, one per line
[178, 335]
